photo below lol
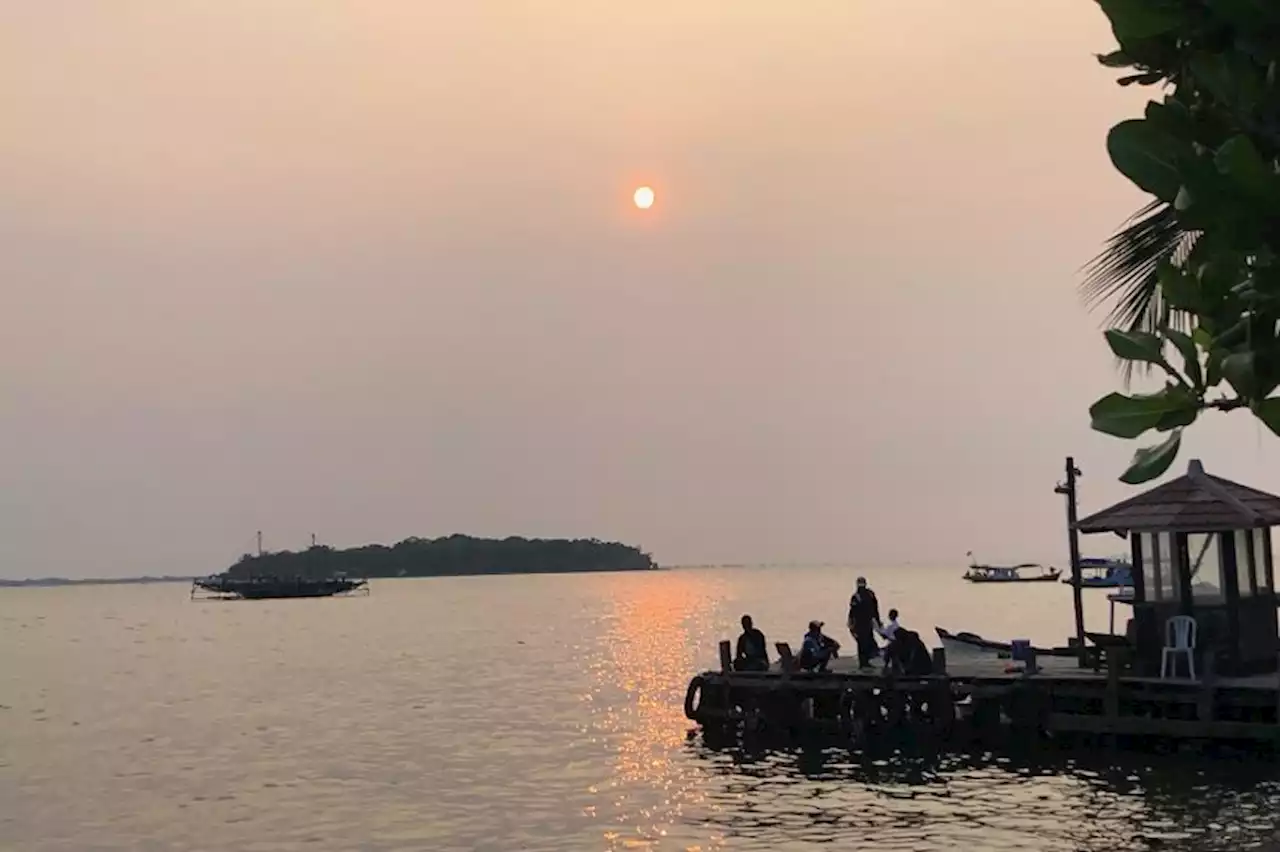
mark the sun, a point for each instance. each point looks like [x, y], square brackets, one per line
[643, 197]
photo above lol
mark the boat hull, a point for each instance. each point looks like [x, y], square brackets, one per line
[1043, 578]
[273, 588]
[973, 644]
[1096, 583]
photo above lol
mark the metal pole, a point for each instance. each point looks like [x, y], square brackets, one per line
[259, 542]
[1073, 544]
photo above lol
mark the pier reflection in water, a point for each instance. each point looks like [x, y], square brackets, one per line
[527, 713]
[1112, 802]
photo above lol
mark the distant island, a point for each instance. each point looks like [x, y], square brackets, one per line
[91, 581]
[451, 556]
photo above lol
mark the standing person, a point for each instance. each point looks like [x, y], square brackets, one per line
[864, 617]
[753, 651]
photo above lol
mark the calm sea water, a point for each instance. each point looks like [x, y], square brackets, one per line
[525, 713]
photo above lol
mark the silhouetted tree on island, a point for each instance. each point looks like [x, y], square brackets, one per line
[454, 555]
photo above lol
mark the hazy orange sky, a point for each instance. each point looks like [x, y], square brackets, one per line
[371, 270]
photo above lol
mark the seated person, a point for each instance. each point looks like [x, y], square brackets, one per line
[753, 651]
[817, 649]
[908, 655]
[888, 632]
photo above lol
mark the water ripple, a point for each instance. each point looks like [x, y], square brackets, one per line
[521, 713]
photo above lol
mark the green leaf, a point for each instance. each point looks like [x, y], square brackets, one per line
[1180, 290]
[1150, 462]
[1144, 79]
[1249, 15]
[1239, 160]
[1238, 370]
[1148, 156]
[1177, 419]
[1212, 72]
[1213, 368]
[1172, 117]
[1136, 345]
[1137, 19]
[1190, 356]
[1129, 416]
[1202, 338]
[1114, 59]
[1268, 411]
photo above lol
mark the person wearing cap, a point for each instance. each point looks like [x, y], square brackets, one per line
[817, 650]
[864, 618]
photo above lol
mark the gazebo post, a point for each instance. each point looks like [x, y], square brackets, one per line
[1073, 548]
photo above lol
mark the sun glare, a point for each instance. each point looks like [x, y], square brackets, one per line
[644, 197]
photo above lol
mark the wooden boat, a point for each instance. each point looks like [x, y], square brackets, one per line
[257, 587]
[224, 586]
[970, 643]
[1103, 573]
[1011, 573]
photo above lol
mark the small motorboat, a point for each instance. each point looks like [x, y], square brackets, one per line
[1010, 573]
[972, 643]
[1104, 573]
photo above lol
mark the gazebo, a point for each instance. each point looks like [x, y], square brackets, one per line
[1201, 547]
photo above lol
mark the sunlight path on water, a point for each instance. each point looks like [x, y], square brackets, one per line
[637, 707]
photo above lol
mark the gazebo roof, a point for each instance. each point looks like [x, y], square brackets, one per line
[1194, 502]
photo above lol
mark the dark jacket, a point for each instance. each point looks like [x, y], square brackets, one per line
[752, 646]
[816, 650]
[909, 655]
[864, 609]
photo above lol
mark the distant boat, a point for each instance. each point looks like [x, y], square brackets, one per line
[970, 643]
[1010, 573]
[1104, 573]
[224, 586]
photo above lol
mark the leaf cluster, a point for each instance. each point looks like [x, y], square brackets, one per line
[1208, 152]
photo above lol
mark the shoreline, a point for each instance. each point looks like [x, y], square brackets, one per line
[57, 582]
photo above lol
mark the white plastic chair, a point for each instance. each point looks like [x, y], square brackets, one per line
[1179, 639]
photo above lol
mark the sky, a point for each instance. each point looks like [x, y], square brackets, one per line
[372, 270]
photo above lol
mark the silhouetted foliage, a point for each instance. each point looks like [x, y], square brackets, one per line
[1195, 277]
[454, 555]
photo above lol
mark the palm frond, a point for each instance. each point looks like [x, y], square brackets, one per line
[1124, 273]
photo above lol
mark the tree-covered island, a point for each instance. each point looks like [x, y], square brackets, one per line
[455, 555]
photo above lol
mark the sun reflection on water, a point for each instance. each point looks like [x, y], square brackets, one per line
[637, 709]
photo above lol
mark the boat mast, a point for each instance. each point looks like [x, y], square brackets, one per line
[1073, 544]
[259, 542]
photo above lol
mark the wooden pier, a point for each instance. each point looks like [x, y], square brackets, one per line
[989, 694]
[1204, 592]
